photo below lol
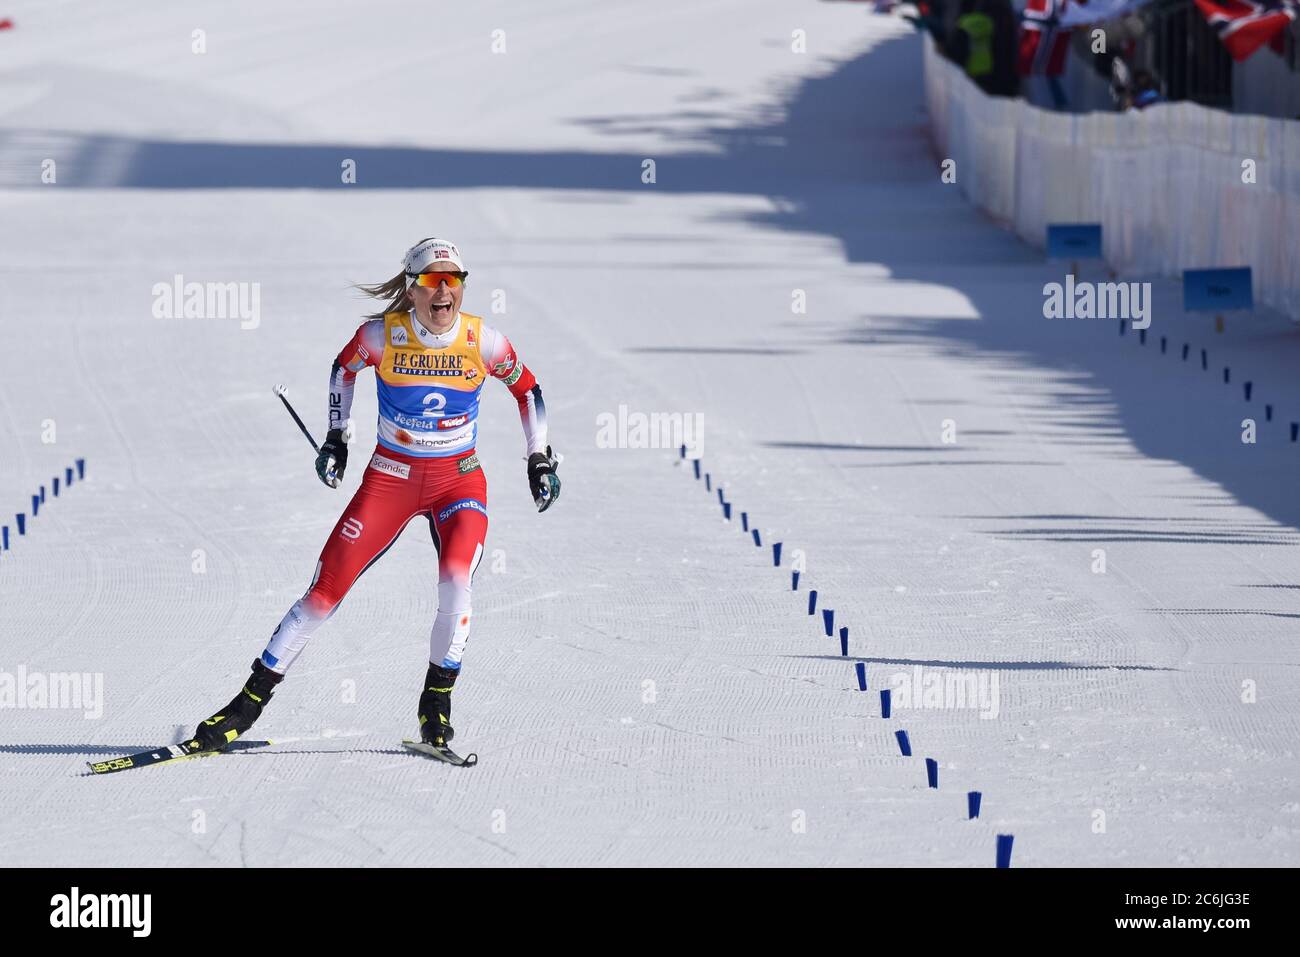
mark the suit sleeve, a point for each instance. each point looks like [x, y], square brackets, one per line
[503, 363]
[365, 348]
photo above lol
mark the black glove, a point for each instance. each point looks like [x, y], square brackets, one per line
[332, 458]
[542, 480]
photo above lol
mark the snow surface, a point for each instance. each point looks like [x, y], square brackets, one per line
[1120, 694]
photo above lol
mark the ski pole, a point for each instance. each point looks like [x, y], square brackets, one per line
[280, 390]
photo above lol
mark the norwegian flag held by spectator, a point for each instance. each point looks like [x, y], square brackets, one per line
[1043, 42]
[1246, 25]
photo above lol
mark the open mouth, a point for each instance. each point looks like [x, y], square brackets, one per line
[442, 308]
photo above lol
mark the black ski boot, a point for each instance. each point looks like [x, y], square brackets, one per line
[435, 706]
[238, 716]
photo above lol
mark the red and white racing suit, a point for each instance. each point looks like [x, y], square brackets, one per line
[424, 464]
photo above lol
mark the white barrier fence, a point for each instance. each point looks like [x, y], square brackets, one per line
[1167, 184]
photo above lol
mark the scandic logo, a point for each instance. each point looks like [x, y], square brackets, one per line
[381, 464]
[74, 910]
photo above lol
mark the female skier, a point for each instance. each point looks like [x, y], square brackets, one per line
[431, 361]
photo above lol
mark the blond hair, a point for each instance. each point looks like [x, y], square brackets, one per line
[394, 290]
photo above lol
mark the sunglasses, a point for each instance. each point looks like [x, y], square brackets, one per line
[454, 280]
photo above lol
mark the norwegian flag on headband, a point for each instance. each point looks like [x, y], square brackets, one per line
[1043, 42]
[1246, 25]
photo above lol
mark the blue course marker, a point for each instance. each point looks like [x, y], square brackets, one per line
[1217, 290]
[721, 500]
[861, 669]
[1205, 360]
[1122, 325]
[1164, 344]
[707, 486]
[1295, 430]
[81, 468]
[36, 505]
[903, 744]
[42, 494]
[1004, 849]
[726, 510]
[794, 581]
[776, 554]
[828, 619]
[56, 486]
[1268, 412]
[4, 538]
[1074, 240]
[844, 642]
[683, 452]
[68, 475]
[812, 601]
[932, 772]
[696, 463]
[22, 523]
[1187, 347]
[972, 805]
[758, 542]
[744, 521]
[1227, 374]
[1247, 386]
[884, 703]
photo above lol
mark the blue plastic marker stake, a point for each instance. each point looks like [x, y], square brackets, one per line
[36, 505]
[903, 744]
[708, 486]
[726, 510]
[932, 772]
[828, 619]
[861, 669]
[696, 463]
[1164, 344]
[1248, 386]
[794, 581]
[22, 523]
[1227, 374]
[81, 468]
[776, 554]
[1122, 325]
[884, 703]
[42, 494]
[683, 454]
[1268, 412]
[4, 534]
[1205, 361]
[1142, 336]
[1187, 347]
[1004, 849]
[758, 542]
[812, 601]
[68, 475]
[1295, 428]
[56, 486]
[721, 500]
[844, 642]
[972, 805]
[744, 521]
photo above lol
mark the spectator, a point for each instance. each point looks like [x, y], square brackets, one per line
[983, 43]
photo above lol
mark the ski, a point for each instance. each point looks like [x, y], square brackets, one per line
[440, 754]
[173, 752]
